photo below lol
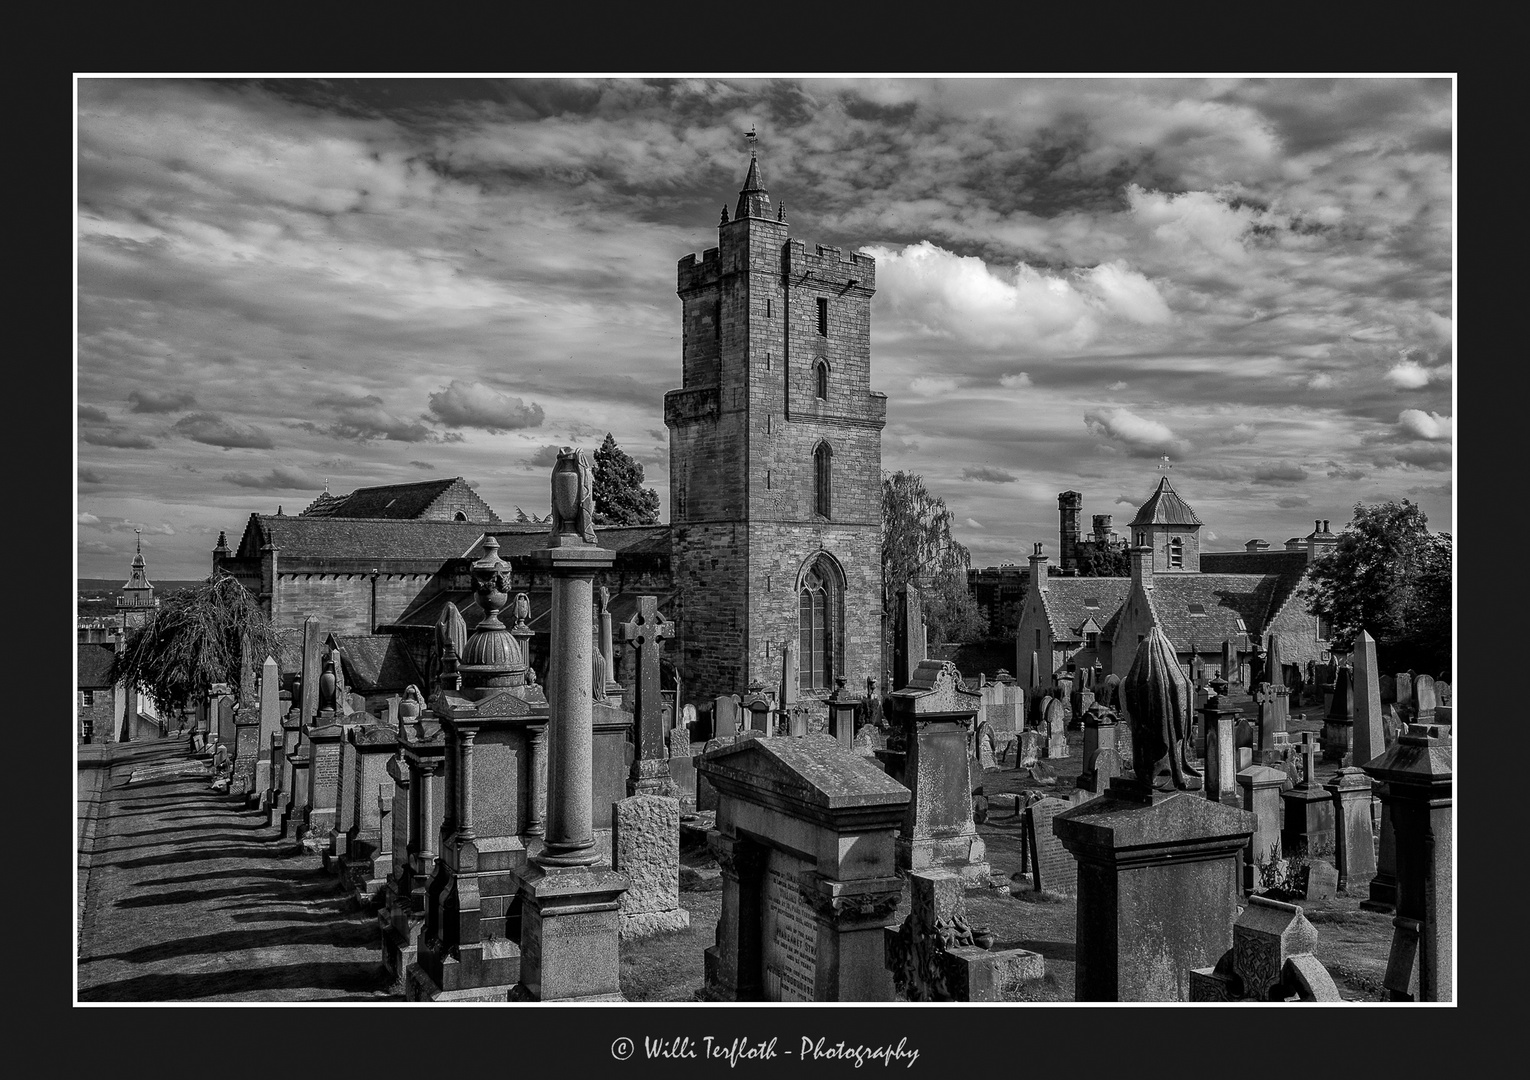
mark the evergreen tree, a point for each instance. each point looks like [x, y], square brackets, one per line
[1113, 562]
[1390, 576]
[620, 497]
[196, 637]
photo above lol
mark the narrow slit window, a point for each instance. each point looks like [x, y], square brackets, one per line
[823, 316]
[821, 477]
[821, 380]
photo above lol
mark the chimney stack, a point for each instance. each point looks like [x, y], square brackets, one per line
[1142, 566]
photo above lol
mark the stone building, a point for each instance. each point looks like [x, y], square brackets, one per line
[1199, 599]
[115, 713]
[775, 497]
[1073, 547]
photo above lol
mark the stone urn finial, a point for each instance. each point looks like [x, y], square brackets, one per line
[573, 498]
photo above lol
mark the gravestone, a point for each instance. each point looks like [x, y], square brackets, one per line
[1055, 724]
[909, 643]
[419, 809]
[1260, 787]
[935, 713]
[645, 634]
[985, 747]
[1405, 700]
[1354, 850]
[1220, 721]
[936, 955]
[1418, 774]
[266, 769]
[364, 869]
[1369, 739]
[1424, 700]
[1270, 960]
[323, 807]
[725, 717]
[1309, 808]
[804, 839]
[494, 726]
[1052, 868]
[645, 845]
[1339, 724]
[1101, 760]
[1031, 746]
[1157, 889]
[312, 669]
[1387, 684]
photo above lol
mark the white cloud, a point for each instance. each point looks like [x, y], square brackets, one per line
[1409, 375]
[1424, 425]
[1194, 219]
[972, 524]
[1127, 293]
[1116, 386]
[88, 519]
[1015, 382]
[474, 404]
[1138, 435]
[1320, 381]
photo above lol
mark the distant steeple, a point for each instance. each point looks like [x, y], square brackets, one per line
[139, 591]
[753, 199]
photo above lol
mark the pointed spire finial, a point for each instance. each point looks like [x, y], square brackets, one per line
[753, 137]
[1163, 464]
[724, 220]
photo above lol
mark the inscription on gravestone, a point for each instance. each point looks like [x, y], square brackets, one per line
[790, 935]
[326, 766]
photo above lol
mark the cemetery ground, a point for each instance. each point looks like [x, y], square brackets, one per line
[186, 895]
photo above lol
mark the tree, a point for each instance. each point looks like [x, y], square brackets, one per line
[620, 497]
[195, 638]
[1390, 576]
[917, 546]
[1112, 562]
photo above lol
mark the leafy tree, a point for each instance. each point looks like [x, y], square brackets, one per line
[1390, 576]
[195, 638]
[1113, 562]
[620, 497]
[917, 546]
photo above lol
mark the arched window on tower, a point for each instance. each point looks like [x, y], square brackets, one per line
[821, 379]
[820, 619]
[822, 456]
[1177, 553]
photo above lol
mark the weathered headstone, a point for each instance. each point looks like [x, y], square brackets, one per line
[908, 636]
[1354, 851]
[1221, 753]
[644, 633]
[270, 724]
[1339, 724]
[935, 712]
[725, 717]
[1404, 681]
[1032, 745]
[1260, 787]
[1309, 808]
[1157, 889]
[1424, 700]
[803, 907]
[935, 955]
[1419, 776]
[1052, 868]
[1369, 732]
[645, 845]
[1270, 960]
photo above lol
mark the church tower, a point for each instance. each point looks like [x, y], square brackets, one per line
[137, 599]
[775, 460]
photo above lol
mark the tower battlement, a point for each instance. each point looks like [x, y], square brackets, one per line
[693, 275]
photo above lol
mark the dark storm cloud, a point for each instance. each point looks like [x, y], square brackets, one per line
[118, 438]
[152, 401]
[986, 475]
[221, 431]
[93, 415]
[276, 479]
[1284, 472]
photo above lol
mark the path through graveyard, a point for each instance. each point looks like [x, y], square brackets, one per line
[188, 896]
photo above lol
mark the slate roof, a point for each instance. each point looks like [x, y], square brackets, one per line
[95, 659]
[400, 502]
[1225, 598]
[1254, 562]
[301, 538]
[1165, 507]
[1066, 612]
[376, 663]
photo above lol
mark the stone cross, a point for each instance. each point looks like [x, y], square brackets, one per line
[645, 631]
[1309, 760]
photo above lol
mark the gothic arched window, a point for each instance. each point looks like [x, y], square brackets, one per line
[822, 457]
[820, 618]
[821, 380]
[1177, 553]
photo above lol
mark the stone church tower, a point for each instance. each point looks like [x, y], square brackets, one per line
[775, 460]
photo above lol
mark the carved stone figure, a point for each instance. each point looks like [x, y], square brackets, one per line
[1157, 702]
[573, 495]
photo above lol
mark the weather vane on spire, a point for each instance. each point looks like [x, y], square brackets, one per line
[139, 531]
[752, 137]
[1163, 464]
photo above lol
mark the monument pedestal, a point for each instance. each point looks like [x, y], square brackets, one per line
[1157, 889]
[569, 932]
[1308, 824]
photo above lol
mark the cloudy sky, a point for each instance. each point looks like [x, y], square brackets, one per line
[384, 280]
